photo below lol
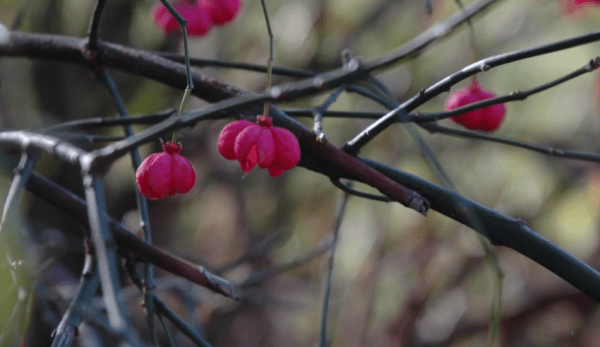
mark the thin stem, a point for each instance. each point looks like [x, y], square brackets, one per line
[94, 28]
[142, 202]
[88, 285]
[318, 111]
[105, 247]
[166, 329]
[165, 310]
[101, 122]
[269, 272]
[271, 55]
[351, 191]
[87, 138]
[188, 74]
[17, 187]
[328, 276]
[548, 150]
[203, 62]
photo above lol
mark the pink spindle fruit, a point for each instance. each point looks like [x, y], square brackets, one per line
[223, 11]
[271, 147]
[486, 119]
[165, 174]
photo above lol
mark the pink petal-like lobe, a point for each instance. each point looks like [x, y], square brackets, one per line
[153, 176]
[183, 175]
[223, 11]
[287, 148]
[254, 145]
[226, 140]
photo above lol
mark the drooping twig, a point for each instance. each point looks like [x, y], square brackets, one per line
[88, 285]
[106, 250]
[327, 292]
[165, 310]
[268, 273]
[142, 202]
[502, 230]
[126, 240]
[17, 187]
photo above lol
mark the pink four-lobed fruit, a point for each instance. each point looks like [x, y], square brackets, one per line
[486, 119]
[271, 147]
[200, 15]
[165, 174]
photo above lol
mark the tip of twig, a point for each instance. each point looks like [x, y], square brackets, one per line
[220, 285]
[4, 34]
[420, 205]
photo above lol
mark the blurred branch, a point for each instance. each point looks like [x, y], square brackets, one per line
[270, 272]
[323, 341]
[203, 62]
[106, 252]
[548, 150]
[68, 328]
[165, 310]
[96, 123]
[502, 230]
[444, 85]
[440, 30]
[142, 202]
[126, 240]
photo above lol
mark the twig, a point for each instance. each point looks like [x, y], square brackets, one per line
[17, 187]
[95, 123]
[142, 202]
[502, 230]
[548, 150]
[105, 247]
[268, 273]
[126, 240]
[165, 310]
[203, 62]
[330, 259]
[349, 190]
[94, 28]
[444, 85]
[88, 285]
[516, 95]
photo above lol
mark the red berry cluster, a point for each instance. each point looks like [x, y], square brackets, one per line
[250, 143]
[487, 119]
[200, 15]
[166, 173]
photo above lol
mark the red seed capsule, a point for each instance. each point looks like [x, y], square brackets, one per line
[223, 11]
[486, 119]
[165, 174]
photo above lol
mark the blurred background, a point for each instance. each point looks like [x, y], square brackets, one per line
[400, 279]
